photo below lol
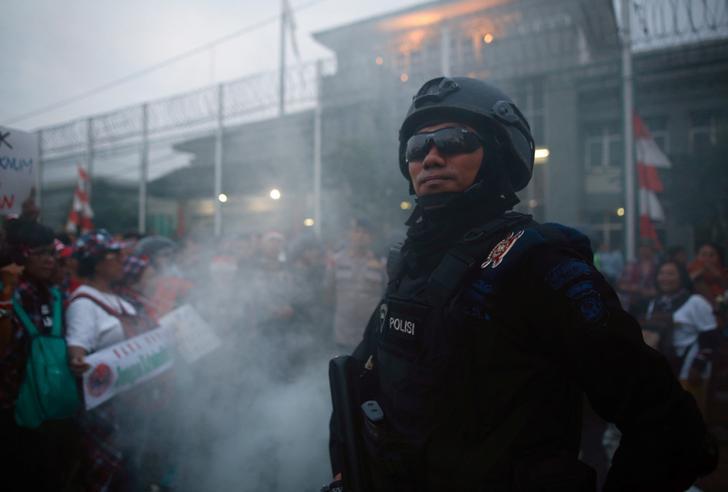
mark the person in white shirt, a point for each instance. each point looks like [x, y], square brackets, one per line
[682, 326]
[96, 316]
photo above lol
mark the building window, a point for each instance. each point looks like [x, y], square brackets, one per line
[604, 147]
[528, 95]
[703, 131]
[603, 159]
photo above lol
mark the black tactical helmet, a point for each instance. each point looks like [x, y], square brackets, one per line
[481, 106]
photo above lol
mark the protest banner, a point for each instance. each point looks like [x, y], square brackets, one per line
[18, 162]
[122, 366]
[195, 338]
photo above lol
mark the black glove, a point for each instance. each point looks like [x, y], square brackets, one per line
[335, 486]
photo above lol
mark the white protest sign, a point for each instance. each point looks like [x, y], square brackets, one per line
[18, 162]
[124, 365]
[195, 338]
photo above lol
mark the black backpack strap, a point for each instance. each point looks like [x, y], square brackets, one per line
[466, 254]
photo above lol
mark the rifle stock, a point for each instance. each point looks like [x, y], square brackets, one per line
[347, 419]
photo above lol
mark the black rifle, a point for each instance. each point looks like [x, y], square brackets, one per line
[347, 419]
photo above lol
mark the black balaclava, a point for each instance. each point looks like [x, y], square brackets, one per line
[440, 220]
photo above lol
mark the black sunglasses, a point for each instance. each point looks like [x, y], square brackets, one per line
[449, 141]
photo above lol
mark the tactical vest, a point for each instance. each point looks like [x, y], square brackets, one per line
[435, 436]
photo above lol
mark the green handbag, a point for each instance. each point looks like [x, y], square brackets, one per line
[49, 389]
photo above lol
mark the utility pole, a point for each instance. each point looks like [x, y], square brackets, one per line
[89, 156]
[628, 110]
[282, 60]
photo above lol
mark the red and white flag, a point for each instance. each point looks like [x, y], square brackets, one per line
[80, 218]
[650, 158]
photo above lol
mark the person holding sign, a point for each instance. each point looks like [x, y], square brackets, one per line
[45, 440]
[18, 164]
[98, 318]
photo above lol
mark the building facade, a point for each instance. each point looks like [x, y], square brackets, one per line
[559, 59]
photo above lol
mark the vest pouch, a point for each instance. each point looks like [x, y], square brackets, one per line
[49, 390]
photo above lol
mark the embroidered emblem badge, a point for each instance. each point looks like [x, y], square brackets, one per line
[496, 255]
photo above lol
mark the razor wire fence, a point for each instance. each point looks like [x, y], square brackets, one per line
[134, 145]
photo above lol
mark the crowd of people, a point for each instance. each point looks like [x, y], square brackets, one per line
[276, 303]
[680, 303]
[277, 306]
[682, 306]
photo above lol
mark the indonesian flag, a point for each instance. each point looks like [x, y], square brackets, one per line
[80, 219]
[650, 158]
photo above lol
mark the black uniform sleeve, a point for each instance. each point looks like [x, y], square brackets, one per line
[582, 325]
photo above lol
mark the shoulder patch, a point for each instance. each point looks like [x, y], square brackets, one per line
[580, 289]
[591, 308]
[496, 255]
[565, 272]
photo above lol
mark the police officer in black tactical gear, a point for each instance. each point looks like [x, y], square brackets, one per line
[493, 327]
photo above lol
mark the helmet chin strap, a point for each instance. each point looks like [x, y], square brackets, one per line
[437, 200]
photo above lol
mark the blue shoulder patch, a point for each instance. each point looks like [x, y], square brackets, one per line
[580, 290]
[591, 308]
[565, 272]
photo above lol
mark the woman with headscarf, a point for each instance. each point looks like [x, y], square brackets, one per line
[97, 318]
[681, 325]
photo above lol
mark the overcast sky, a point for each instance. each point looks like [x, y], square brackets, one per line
[56, 49]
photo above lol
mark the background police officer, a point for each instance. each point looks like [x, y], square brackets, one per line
[508, 325]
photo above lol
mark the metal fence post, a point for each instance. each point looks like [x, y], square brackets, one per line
[89, 156]
[317, 152]
[144, 170]
[39, 170]
[218, 161]
[282, 61]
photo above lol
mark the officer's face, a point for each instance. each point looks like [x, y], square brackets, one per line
[438, 172]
